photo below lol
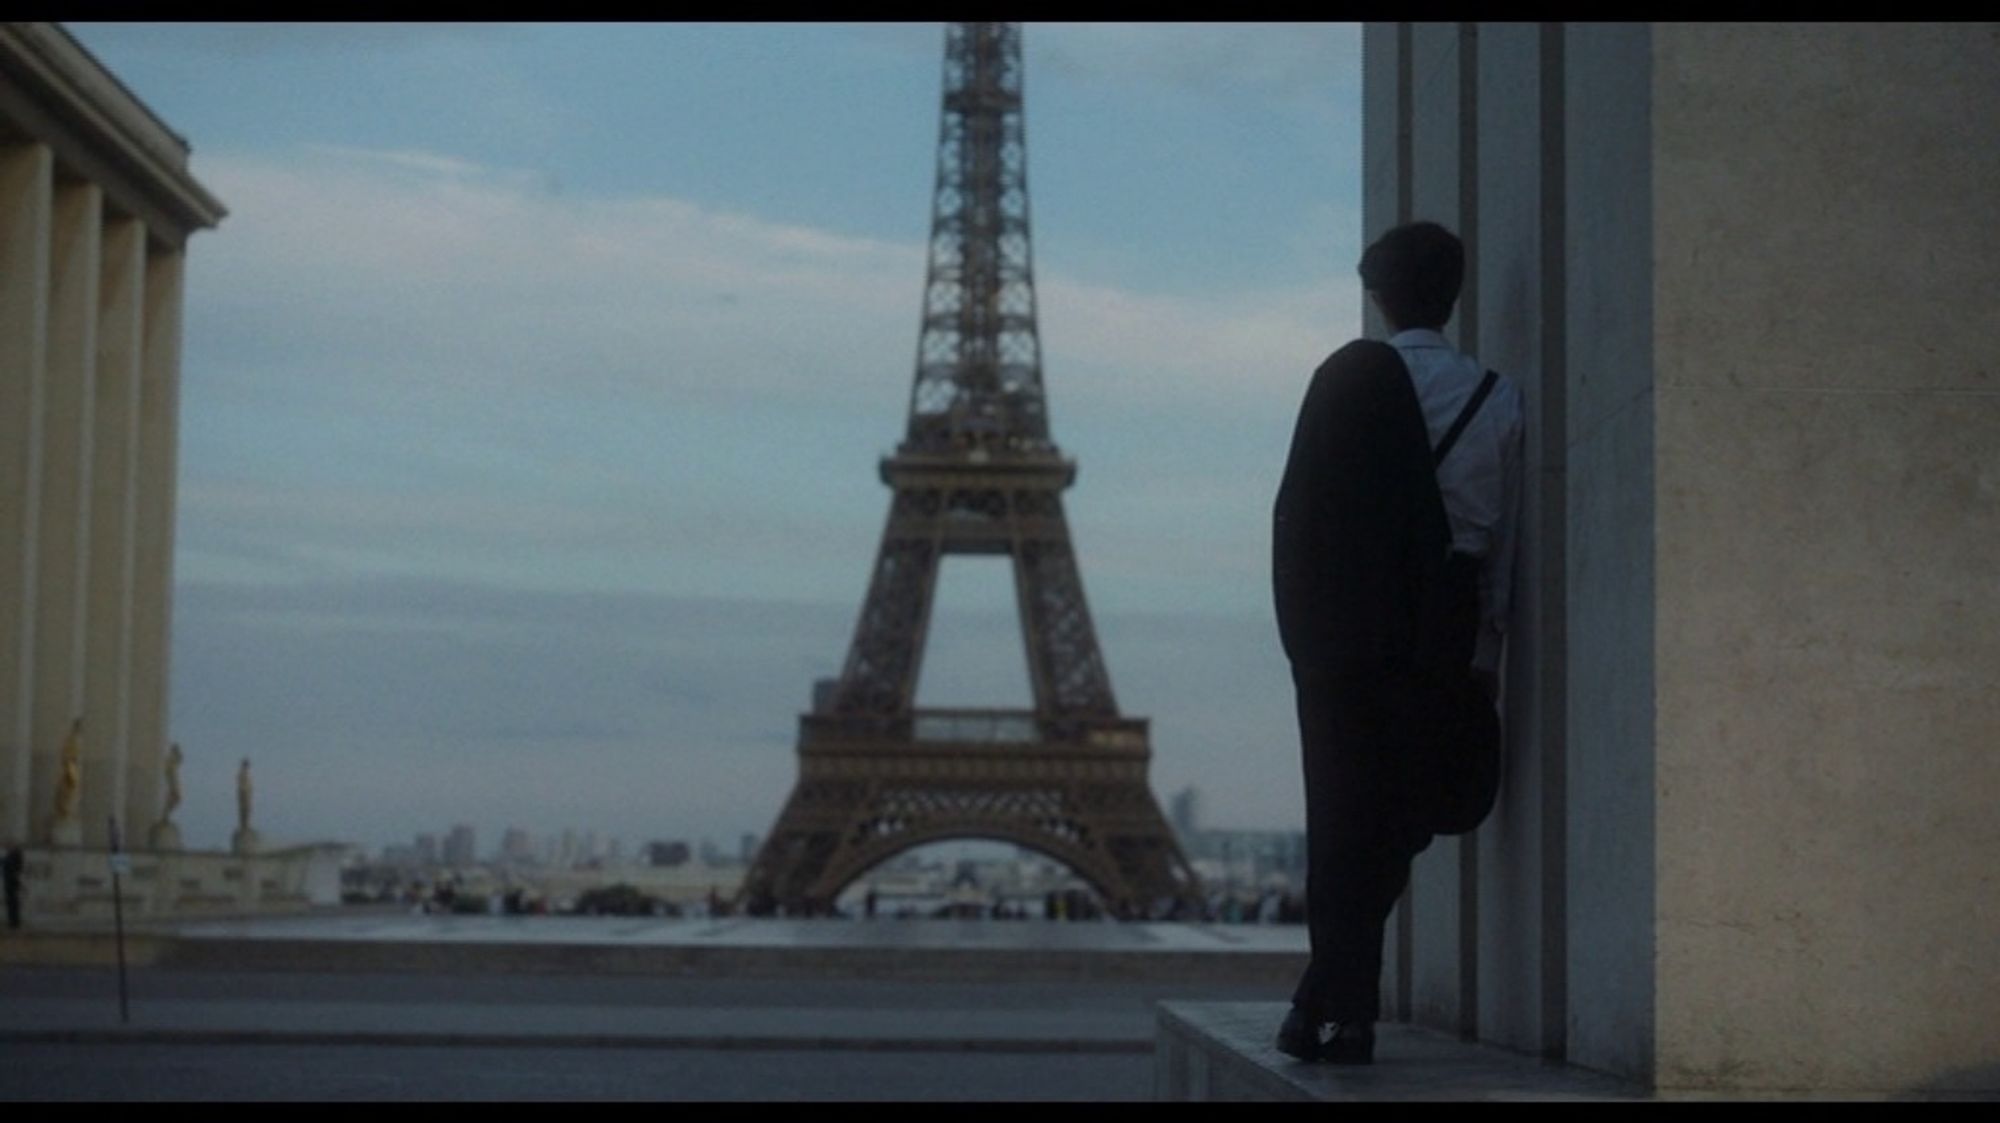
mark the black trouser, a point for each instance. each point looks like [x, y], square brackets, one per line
[1361, 828]
[1359, 841]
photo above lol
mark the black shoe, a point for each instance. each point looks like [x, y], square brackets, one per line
[1352, 1044]
[1299, 1037]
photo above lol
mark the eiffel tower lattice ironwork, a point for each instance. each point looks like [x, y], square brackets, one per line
[975, 474]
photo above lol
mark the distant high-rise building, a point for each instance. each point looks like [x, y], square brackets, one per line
[517, 846]
[671, 852]
[1261, 853]
[566, 855]
[458, 846]
[427, 849]
[1187, 813]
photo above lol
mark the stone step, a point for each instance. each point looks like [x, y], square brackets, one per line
[1224, 1051]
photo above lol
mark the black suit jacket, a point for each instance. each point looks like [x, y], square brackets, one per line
[1359, 530]
[1367, 590]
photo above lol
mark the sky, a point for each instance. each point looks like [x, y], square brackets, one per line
[534, 384]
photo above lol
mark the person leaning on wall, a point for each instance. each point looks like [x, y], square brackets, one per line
[1393, 542]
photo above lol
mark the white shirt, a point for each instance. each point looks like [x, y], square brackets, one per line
[1481, 479]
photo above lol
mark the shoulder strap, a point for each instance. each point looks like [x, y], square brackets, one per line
[1464, 417]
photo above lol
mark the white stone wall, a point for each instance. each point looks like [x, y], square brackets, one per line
[62, 885]
[1827, 323]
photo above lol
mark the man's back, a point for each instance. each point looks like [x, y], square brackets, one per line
[1351, 522]
[1480, 481]
[1374, 607]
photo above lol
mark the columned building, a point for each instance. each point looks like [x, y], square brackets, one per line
[96, 206]
[1748, 277]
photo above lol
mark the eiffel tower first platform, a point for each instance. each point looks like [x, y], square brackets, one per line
[976, 474]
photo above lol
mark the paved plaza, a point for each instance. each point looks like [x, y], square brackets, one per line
[495, 1009]
[375, 1074]
[381, 1005]
[498, 1009]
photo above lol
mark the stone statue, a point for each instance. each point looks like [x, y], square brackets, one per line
[243, 796]
[245, 840]
[165, 835]
[173, 782]
[69, 782]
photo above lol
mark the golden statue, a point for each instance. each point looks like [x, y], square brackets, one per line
[69, 782]
[173, 781]
[243, 796]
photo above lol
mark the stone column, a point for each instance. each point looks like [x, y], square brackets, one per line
[26, 198]
[109, 616]
[1384, 203]
[153, 548]
[1519, 287]
[1608, 291]
[67, 407]
[1436, 900]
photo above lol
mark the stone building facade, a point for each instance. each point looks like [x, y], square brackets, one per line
[96, 207]
[1749, 279]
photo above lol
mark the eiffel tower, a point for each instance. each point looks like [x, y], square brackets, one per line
[975, 474]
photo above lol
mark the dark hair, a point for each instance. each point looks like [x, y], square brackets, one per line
[1415, 270]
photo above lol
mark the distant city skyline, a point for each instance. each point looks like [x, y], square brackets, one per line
[568, 847]
[535, 380]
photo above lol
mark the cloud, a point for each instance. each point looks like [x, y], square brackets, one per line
[1300, 59]
[413, 260]
[1307, 59]
[406, 361]
[1179, 352]
[422, 260]
[241, 40]
[424, 162]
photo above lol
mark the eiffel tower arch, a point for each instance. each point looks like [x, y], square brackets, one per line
[976, 473]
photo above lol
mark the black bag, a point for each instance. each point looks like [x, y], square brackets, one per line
[1455, 757]
[1456, 760]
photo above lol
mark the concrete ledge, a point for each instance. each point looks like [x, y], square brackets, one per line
[70, 887]
[77, 949]
[910, 951]
[1224, 1051]
[1042, 965]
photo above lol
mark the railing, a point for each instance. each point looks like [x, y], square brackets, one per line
[981, 726]
[977, 727]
